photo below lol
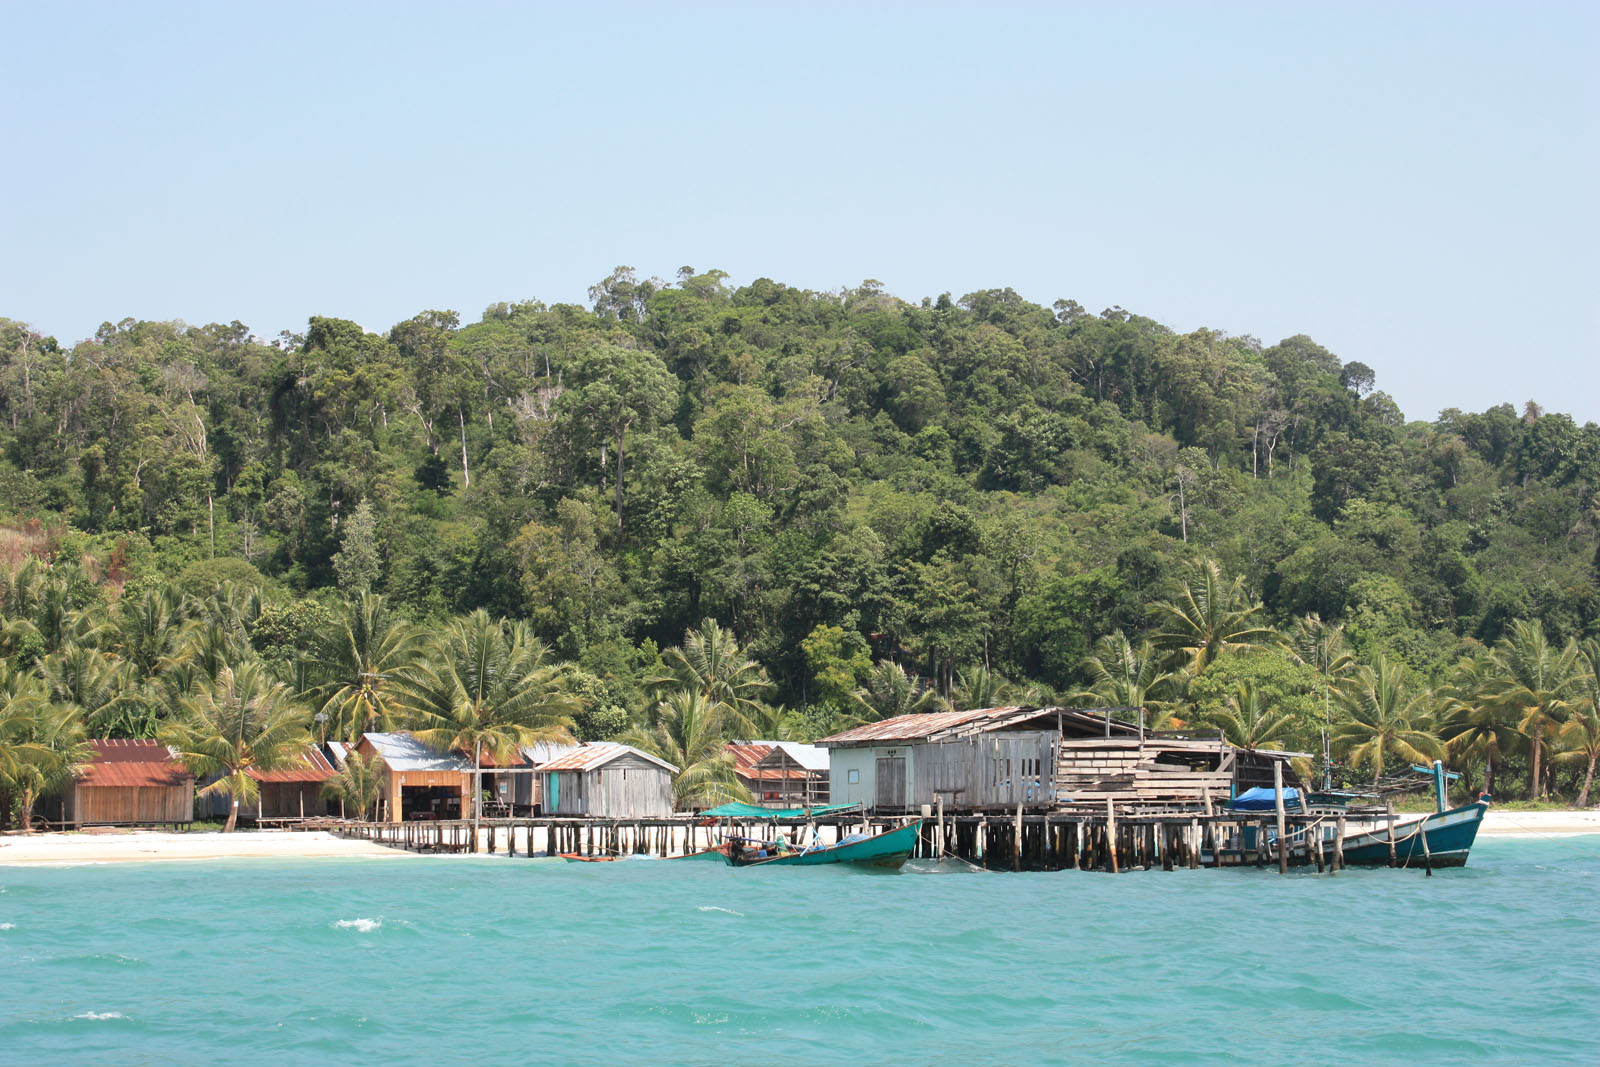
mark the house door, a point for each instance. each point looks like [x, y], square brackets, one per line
[892, 784]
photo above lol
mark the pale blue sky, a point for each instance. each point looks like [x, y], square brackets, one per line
[1413, 185]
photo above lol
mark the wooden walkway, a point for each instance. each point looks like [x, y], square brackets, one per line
[1110, 840]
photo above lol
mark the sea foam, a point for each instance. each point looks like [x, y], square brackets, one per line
[101, 1015]
[365, 926]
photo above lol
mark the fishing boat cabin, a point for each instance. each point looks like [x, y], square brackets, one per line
[609, 780]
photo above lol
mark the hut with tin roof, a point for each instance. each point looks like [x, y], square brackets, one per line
[608, 780]
[418, 782]
[282, 796]
[130, 783]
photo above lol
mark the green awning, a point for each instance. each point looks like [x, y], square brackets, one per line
[737, 810]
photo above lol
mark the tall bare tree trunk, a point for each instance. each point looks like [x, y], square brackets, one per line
[1588, 780]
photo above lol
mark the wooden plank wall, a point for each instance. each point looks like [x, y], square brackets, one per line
[132, 805]
[995, 770]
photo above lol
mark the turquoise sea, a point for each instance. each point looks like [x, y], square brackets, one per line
[494, 960]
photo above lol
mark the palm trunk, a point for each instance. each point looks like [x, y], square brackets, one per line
[233, 815]
[27, 810]
[1588, 780]
[1535, 780]
[477, 791]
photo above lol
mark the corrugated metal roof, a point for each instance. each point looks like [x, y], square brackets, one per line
[402, 752]
[915, 727]
[313, 767]
[746, 754]
[120, 764]
[123, 750]
[541, 752]
[587, 757]
[946, 725]
[810, 757]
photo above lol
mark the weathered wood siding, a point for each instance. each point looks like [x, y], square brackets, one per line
[130, 805]
[996, 770]
[625, 788]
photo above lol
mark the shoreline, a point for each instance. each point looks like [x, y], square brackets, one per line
[136, 846]
[1540, 823]
[144, 846]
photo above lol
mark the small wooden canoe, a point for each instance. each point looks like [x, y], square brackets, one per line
[888, 850]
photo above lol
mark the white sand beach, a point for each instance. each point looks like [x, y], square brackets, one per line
[122, 846]
[1585, 821]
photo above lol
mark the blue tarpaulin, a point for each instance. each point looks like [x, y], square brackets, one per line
[1263, 799]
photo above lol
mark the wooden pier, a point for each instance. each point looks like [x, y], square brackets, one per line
[1111, 840]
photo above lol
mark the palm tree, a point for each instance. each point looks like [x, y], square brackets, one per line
[711, 663]
[1320, 646]
[42, 745]
[242, 722]
[150, 628]
[1386, 719]
[690, 730]
[1123, 676]
[97, 684]
[1580, 734]
[358, 784]
[364, 666]
[1537, 680]
[889, 693]
[1213, 614]
[1471, 725]
[490, 689]
[1247, 722]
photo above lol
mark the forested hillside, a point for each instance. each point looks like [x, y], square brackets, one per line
[872, 498]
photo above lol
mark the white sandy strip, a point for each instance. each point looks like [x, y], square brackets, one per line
[1584, 821]
[26, 850]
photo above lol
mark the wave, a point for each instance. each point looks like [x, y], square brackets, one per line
[97, 1015]
[8, 926]
[365, 926]
[725, 911]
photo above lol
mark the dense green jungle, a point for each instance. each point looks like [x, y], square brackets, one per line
[692, 511]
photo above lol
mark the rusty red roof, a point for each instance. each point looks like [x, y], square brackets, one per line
[122, 764]
[746, 754]
[594, 754]
[312, 768]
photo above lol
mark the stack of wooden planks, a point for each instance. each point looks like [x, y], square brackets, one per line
[1147, 772]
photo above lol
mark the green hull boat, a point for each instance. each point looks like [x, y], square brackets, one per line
[888, 850]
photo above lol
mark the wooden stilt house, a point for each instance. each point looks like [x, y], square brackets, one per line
[996, 759]
[609, 780]
[419, 783]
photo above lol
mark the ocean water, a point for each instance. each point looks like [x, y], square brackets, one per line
[496, 960]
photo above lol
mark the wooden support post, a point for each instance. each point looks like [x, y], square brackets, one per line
[940, 844]
[1390, 804]
[1318, 843]
[1016, 843]
[1194, 844]
[1283, 826]
[1338, 845]
[1111, 833]
[1427, 853]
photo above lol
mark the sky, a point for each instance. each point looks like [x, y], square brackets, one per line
[1414, 185]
